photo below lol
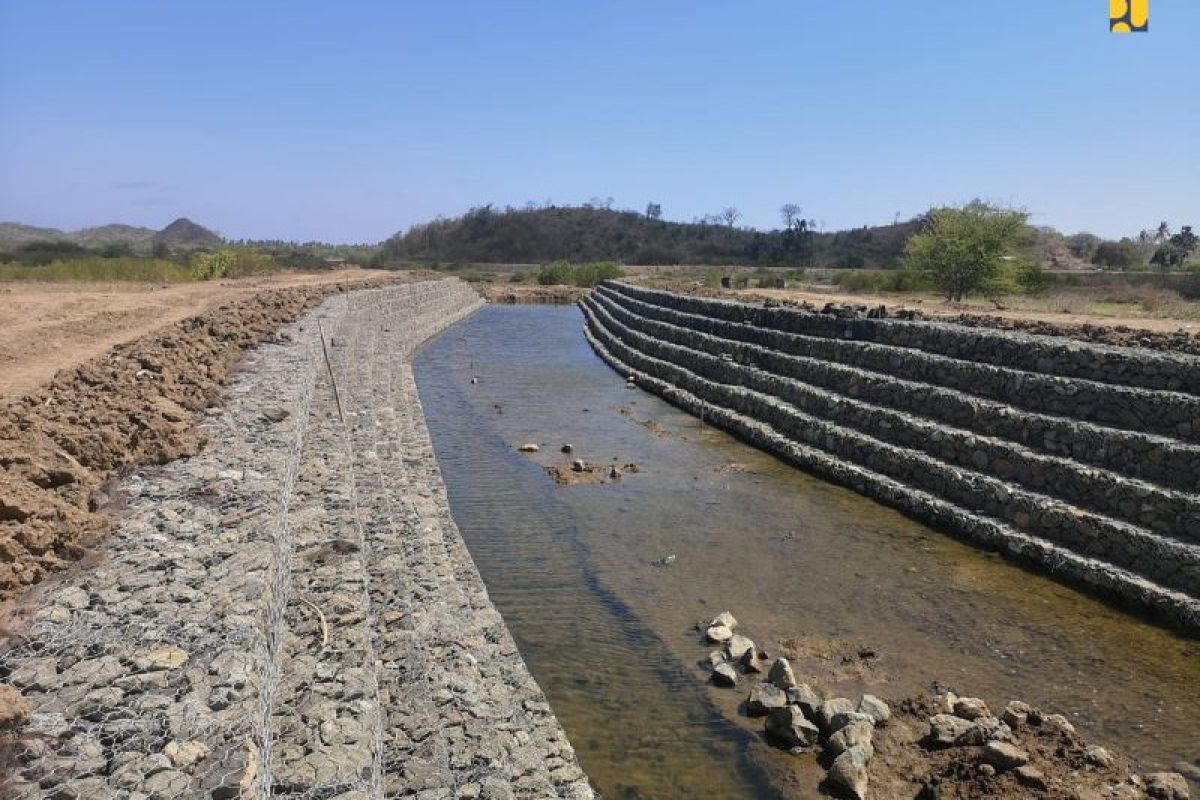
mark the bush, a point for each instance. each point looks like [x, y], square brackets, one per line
[230, 264]
[1119, 255]
[517, 277]
[962, 249]
[897, 280]
[562, 273]
[155, 270]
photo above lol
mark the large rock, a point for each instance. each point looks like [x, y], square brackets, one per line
[725, 619]
[724, 675]
[831, 708]
[1004, 756]
[947, 730]
[809, 701]
[781, 674]
[764, 697]
[854, 734]
[848, 774]
[971, 708]
[874, 708]
[1167, 786]
[789, 727]
[718, 634]
[738, 646]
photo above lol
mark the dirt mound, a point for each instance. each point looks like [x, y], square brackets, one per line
[1060, 765]
[134, 405]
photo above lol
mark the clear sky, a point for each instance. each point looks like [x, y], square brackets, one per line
[349, 120]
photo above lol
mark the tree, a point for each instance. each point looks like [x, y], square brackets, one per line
[963, 249]
[1083, 245]
[1174, 252]
[160, 250]
[653, 211]
[790, 213]
[730, 215]
[1125, 254]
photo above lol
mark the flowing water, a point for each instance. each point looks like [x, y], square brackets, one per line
[860, 596]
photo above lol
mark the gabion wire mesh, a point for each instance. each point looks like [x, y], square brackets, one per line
[291, 613]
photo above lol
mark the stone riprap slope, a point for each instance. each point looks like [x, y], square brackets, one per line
[1080, 459]
[292, 612]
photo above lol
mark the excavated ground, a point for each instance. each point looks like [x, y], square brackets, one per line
[290, 612]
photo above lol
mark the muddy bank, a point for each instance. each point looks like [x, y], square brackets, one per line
[135, 405]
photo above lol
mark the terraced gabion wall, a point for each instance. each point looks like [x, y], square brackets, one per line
[1081, 460]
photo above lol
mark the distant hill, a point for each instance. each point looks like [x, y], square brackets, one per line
[184, 232]
[589, 233]
[180, 233]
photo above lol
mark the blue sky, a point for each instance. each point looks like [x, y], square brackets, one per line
[348, 121]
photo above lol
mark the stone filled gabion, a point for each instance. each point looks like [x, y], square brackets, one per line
[1082, 460]
[291, 613]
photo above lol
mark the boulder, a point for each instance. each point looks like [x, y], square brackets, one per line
[810, 702]
[844, 718]
[1004, 756]
[751, 660]
[947, 730]
[781, 674]
[715, 657]
[529, 447]
[971, 708]
[724, 675]
[848, 774]
[1016, 714]
[738, 646]
[724, 618]
[578, 466]
[718, 634]
[830, 709]
[874, 708]
[1057, 722]
[854, 734]
[764, 697]
[1031, 776]
[789, 727]
[1166, 786]
[1098, 756]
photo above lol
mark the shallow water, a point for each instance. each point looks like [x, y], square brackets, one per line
[860, 595]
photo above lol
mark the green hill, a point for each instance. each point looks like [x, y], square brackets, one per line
[588, 233]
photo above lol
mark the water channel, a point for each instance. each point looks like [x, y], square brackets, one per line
[602, 584]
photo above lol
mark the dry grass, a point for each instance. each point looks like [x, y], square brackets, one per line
[147, 270]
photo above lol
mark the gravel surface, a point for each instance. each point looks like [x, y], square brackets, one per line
[292, 612]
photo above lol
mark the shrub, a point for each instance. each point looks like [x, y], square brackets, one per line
[962, 249]
[154, 270]
[585, 275]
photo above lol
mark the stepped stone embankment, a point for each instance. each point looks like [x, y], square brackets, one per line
[292, 612]
[1081, 460]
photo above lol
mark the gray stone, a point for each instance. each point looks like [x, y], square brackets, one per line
[764, 697]
[789, 726]
[1098, 756]
[875, 708]
[1031, 776]
[781, 674]
[724, 675]
[72, 597]
[803, 696]
[724, 619]
[1004, 756]
[1167, 786]
[738, 646]
[848, 773]
[971, 708]
[947, 730]
[830, 709]
[854, 734]
[718, 634]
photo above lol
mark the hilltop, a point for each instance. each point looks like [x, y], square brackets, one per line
[180, 233]
[589, 233]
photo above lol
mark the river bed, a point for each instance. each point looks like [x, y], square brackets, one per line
[602, 584]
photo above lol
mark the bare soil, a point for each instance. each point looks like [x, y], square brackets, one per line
[136, 404]
[52, 326]
[516, 293]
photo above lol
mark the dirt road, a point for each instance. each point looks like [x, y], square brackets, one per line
[52, 326]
